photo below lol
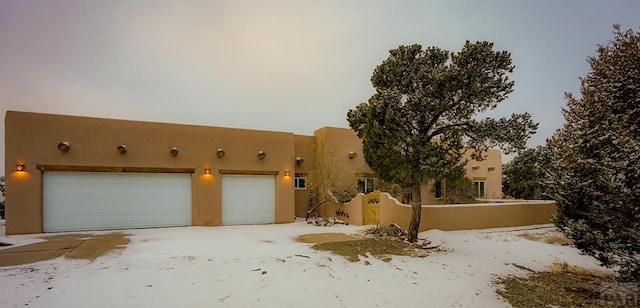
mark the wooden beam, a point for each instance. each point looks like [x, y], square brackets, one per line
[114, 169]
[248, 172]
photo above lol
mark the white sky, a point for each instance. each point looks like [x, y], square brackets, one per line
[290, 66]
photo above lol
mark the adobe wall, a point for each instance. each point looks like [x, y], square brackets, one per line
[342, 141]
[333, 145]
[32, 139]
[350, 212]
[303, 149]
[489, 169]
[468, 216]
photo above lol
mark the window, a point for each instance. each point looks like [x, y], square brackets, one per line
[438, 189]
[300, 181]
[479, 186]
[366, 185]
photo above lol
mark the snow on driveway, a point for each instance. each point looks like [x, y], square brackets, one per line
[263, 266]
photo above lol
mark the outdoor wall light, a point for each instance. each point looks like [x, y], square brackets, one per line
[122, 149]
[174, 151]
[220, 153]
[261, 154]
[299, 160]
[64, 146]
[286, 173]
[491, 168]
[21, 167]
[353, 155]
[207, 171]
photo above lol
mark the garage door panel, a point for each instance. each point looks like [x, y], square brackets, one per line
[248, 199]
[98, 201]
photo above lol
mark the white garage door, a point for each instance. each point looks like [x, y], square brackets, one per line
[248, 199]
[76, 201]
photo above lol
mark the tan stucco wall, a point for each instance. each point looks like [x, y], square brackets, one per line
[336, 143]
[489, 168]
[354, 209]
[467, 217]
[427, 193]
[342, 141]
[32, 139]
[304, 149]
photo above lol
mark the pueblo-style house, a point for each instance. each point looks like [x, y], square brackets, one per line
[70, 173]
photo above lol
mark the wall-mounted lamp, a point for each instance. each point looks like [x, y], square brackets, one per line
[475, 167]
[491, 168]
[64, 146]
[286, 173]
[261, 154]
[353, 155]
[207, 171]
[220, 153]
[174, 151]
[122, 149]
[299, 160]
[21, 167]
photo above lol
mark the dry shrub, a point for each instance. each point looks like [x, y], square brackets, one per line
[379, 248]
[380, 230]
[328, 180]
[552, 237]
[567, 286]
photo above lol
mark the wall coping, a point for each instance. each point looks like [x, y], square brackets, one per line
[498, 202]
[488, 204]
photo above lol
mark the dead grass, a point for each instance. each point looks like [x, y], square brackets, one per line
[380, 248]
[567, 286]
[316, 238]
[379, 230]
[550, 237]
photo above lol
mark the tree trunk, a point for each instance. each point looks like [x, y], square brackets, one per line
[416, 207]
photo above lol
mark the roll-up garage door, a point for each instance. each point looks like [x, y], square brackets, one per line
[248, 199]
[78, 201]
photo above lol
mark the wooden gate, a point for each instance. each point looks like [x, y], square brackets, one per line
[372, 208]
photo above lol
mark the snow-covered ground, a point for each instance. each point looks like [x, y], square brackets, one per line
[263, 266]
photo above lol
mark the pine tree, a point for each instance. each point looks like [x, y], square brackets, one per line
[422, 118]
[522, 177]
[594, 173]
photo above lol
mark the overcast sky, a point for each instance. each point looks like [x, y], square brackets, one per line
[291, 66]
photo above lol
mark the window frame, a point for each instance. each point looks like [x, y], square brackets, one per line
[480, 187]
[300, 178]
[438, 188]
[367, 187]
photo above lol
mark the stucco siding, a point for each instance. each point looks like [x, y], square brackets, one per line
[468, 216]
[32, 139]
